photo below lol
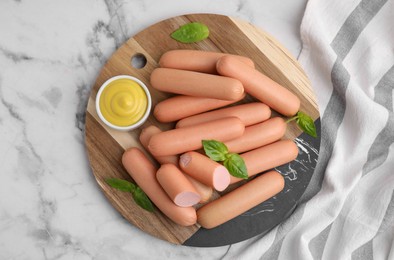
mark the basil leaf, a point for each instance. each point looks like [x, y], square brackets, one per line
[236, 166]
[306, 124]
[138, 194]
[191, 32]
[215, 150]
[142, 200]
[121, 185]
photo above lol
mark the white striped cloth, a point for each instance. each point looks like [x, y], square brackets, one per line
[347, 211]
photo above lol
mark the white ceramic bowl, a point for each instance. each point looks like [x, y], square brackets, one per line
[136, 124]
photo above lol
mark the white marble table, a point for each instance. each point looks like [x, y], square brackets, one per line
[50, 55]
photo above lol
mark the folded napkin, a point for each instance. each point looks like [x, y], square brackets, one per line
[347, 211]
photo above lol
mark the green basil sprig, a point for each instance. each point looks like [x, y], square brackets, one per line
[215, 150]
[305, 123]
[218, 152]
[236, 165]
[191, 32]
[138, 194]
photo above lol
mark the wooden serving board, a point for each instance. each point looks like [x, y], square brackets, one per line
[106, 146]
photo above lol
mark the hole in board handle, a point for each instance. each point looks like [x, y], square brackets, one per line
[138, 61]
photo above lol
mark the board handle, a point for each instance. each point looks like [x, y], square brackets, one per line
[138, 60]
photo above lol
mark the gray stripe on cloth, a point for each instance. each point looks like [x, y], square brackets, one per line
[354, 25]
[378, 154]
[375, 158]
[332, 118]
[384, 89]
[366, 251]
[379, 150]
[363, 252]
[316, 245]
[335, 110]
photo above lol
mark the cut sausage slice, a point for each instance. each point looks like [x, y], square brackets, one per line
[146, 133]
[194, 60]
[177, 141]
[258, 135]
[144, 174]
[205, 191]
[240, 200]
[249, 114]
[177, 186]
[268, 157]
[178, 107]
[196, 84]
[205, 170]
[260, 86]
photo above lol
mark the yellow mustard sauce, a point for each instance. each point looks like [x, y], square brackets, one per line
[123, 102]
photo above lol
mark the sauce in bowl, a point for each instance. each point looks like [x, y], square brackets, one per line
[123, 103]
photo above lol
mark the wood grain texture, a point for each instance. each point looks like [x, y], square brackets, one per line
[106, 146]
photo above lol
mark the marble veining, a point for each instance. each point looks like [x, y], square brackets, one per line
[50, 55]
[267, 206]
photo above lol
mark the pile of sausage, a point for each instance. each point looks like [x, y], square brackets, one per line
[205, 81]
